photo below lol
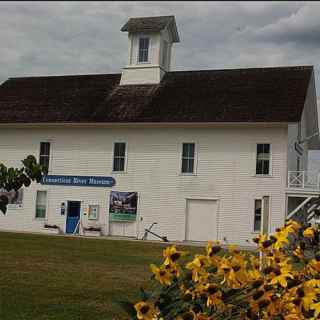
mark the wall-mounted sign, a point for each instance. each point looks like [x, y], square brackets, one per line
[123, 206]
[63, 209]
[84, 181]
[298, 148]
[93, 212]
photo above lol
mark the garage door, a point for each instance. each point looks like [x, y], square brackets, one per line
[201, 220]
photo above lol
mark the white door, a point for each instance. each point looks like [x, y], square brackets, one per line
[123, 229]
[201, 220]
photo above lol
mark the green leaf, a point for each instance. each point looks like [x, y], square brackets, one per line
[128, 307]
[144, 294]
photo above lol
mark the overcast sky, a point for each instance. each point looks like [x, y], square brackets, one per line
[52, 38]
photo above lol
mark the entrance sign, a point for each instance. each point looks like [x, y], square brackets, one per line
[84, 181]
[123, 206]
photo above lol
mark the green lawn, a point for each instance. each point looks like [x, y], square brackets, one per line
[48, 277]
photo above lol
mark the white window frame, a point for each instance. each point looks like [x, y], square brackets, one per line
[35, 205]
[195, 163]
[256, 158]
[254, 213]
[51, 153]
[125, 157]
[138, 49]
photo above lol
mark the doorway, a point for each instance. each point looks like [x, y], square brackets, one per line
[73, 216]
[201, 220]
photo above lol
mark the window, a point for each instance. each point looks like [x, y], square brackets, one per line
[263, 159]
[257, 215]
[187, 158]
[44, 157]
[41, 204]
[119, 156]
[143, 49]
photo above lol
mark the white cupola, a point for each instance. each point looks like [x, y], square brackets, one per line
[150, 49]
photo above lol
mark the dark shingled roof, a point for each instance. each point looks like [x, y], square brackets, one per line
[152, 24]
[238, 95]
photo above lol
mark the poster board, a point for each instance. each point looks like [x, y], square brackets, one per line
[123, 206]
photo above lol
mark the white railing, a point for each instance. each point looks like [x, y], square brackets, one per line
[304, 179]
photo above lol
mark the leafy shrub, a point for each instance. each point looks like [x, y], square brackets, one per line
[283, 283]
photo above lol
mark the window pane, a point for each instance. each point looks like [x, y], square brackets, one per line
[119, 149]
[187, 165]
[143, 49]
[44, 157]
[44, 161]
[41, 204]
[44, 148]
[257, 215]
[119, 156]
[259, 167]
[259, 148]
[121, 164]
[188, 150]
[266, 167]
[190, 165]
[118, 164]
[115, 164]
[266, 148]
[184, 165]
[263, 159]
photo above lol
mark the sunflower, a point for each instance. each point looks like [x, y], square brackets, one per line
[163, 275]
[171, 254]
[309, 232]
[281, 275]
[146, 311]
[213, 247]
[316, 308]
[292, 226]
[197, 265]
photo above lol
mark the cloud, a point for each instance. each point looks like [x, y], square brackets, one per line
[50, 38]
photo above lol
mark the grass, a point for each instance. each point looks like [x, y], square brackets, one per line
[48, 278]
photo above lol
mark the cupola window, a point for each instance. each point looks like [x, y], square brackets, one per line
[143, 50]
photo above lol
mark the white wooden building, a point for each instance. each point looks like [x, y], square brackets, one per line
[211, 154]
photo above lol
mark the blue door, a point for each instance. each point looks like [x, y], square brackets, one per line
[73, 216]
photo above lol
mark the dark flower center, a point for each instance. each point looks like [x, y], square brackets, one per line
[263, 303]
[236, 268]
[145, 309]
[212, 289]
[258, 294]
[175, 256]
[300, 292]
[188, 316]
[266, 243]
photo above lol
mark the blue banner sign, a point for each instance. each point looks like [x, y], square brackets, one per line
[84, 181]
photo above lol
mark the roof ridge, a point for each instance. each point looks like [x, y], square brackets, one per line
[298, 67]
[244, 69]
[67, 75]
